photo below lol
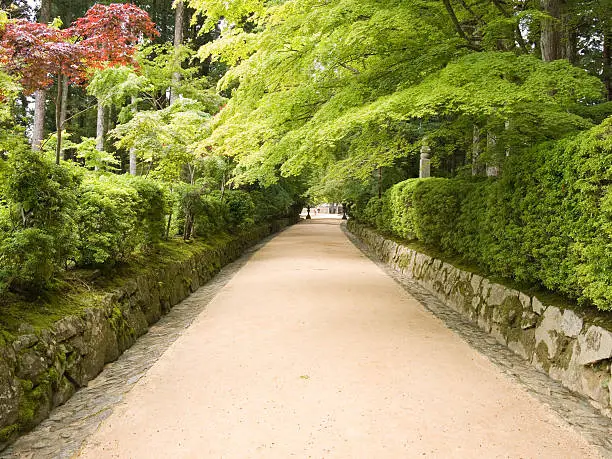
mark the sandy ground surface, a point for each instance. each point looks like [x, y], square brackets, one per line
[312, 351]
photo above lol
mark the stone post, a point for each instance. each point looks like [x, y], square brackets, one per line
[425, 166]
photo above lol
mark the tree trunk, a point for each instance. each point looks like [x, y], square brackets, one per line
[179, 26]
[38, 131]
[133, 162]
[59, 126]
[492, 170]
[607, 64]
[100, 127]
[40, 96]
[133, 157]
[570, 46]
[168, 226]
[65, 93]
[476, 166]
[551, 36]
[64, 108]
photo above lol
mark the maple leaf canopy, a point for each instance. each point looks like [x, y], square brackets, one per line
[106, 36]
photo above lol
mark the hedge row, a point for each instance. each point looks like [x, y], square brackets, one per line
[547, 221]
[56, 217]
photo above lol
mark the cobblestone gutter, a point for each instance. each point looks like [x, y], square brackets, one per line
[40, 371]
[573, 347]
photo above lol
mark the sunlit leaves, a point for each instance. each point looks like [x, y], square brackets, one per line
[168, 138]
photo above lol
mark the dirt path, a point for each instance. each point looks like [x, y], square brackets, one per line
[312, 351]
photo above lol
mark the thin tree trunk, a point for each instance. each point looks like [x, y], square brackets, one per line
[40, 96]
[570, 41]
[65, 93]
[100, 124]
[38, 131]
[607, 64]
[133, 162]
[64, 108]
[179, 25]
[133, 156]
[457, 24]
[168, 226]
[58, 117]
[100, 127]
[167, 234]
[476, 166]
[551, 36]
[492, 171]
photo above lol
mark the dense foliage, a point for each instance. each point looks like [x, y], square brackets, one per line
[546, 221]
[82, 212]
[235, 114]
[55, 217]
[353, 87]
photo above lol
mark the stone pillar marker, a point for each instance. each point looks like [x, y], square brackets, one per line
[425, 166]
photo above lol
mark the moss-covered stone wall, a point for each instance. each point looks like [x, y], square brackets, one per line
[571, 345]
[41, 368]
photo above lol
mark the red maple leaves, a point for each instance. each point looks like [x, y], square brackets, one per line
[106, 36]
[36, 52]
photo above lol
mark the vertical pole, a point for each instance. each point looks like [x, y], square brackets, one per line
[425, 165]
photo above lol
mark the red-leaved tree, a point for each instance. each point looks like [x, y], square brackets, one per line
[39, 54]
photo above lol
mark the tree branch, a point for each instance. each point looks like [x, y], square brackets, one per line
[458, 28]
[517, 30]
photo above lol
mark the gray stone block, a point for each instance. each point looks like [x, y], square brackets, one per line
[548, 330]
[476, 283]
[595, 345]
[24, 341]
[525, 300]
[537, 306]
[571, 323]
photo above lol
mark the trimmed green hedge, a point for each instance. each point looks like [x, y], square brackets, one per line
[547, 221]
[57, 217]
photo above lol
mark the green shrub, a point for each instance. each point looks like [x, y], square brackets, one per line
[402, 215]
[55, 217]
[151, 209]
[273, 202]
[27, 260]
[107, 221]
[37, 203]
[431, 199]
[372, 211]
[212, 217]
[546, 221]
[200, 214]
[241, 209]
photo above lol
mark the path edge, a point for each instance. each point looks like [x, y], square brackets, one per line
[574, 408]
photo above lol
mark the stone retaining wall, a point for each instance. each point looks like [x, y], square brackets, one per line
[571, 346]
[41, 370]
